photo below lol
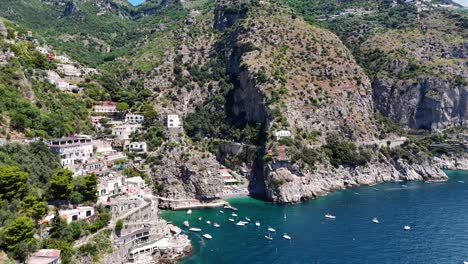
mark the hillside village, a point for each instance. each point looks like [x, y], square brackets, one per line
[123, 190]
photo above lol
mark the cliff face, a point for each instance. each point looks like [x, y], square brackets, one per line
[427, 102]
[421, 72]
[184, 174]
[286, 183]
[290, 75]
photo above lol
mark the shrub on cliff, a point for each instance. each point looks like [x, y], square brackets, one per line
[345, 153]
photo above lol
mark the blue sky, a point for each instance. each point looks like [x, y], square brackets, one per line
[462, 2]
[136, 2]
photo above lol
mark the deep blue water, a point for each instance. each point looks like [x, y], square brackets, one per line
[136, 2]
[436, 212]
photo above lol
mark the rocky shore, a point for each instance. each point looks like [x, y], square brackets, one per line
[453, 163]
[285, 183]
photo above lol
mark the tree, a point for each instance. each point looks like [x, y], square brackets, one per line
[88, 187]
[33, 207]
[60, 184]
[58, 226]
[66, 250]
[122, 107]
[12, 183]
[119, 225]
[18, 237]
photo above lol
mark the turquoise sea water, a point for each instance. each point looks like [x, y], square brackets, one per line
[436, 212]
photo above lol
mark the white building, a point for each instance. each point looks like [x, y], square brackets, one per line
[69, 70]
[105, 107]
[63, 59]
[123, 132]
[281, 134]
[79, 213]
[71, 150]
[135, 182]
[134, 118]
[42, 50]
[109, 185]
[137, 147]
[173, 121]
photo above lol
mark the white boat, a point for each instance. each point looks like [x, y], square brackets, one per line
[221, 211]
[234, 214]
[199, 218]
[257, 223]
[407, 228]
[194, 229]
[268, 237]
[286, 236]
[240, 223]
[207, 236]
[271, 229]
[186, 223]
[330, 216]
[248, 219]
[208, 222]
[375, 220]
[189, 211]
[216, 225]
[462, 182]
[230, 219]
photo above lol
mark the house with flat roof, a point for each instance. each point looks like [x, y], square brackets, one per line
[69, 70]
[123, 132]
[80, 213]
[136, 182]
[134, 118]
[279, 134]
[105, 107]
[137, 147]
[173, 121]
[109, 185]
[71, 150]
[45, 256]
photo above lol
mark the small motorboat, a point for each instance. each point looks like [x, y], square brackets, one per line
[375, 220]
[208, 222]
[271, 229]
[247, 219]
[230, 219]
[240, 223]
[207, 236]
[194, 229]
[186, 223]
[221, 211]
[189, 211]
[286, 236]
[404, 185]
[216, 225]
[199, 218]
[462, 182]
[330, 216]
[268, 237]
[257, 223]
[234, 214]
[407, 228]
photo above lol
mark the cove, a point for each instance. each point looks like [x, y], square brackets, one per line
[436, 212]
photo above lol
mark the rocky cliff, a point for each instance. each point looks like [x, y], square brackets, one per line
[287, 183]
[183, 173]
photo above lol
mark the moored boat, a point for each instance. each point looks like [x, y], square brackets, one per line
[194, 229]
[375, 220]
[268, 237]
[271, 229]
[330, 216]
[407, 228]
[286, 236]
[189, 211]
[257, 223]
[207, 236]
[186, 223]
[216, 225]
